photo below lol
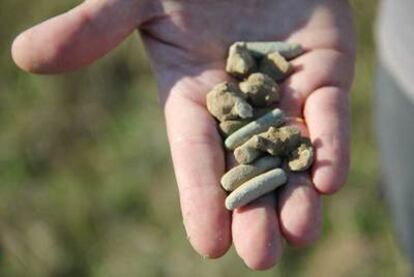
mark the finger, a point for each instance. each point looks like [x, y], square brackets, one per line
[78, 37]
[199, 163]
[315, 69]
[300, 210]
[326, 112]
[256, 233]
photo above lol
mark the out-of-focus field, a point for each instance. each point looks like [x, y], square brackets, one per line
[87, 186]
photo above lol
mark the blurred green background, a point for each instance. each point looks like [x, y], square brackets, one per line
[87, 187]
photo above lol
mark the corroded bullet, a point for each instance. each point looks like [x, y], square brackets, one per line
[256, 187]
[230, 126]
[261, 90]
[275, 66]
[274, 118]
[277, 141]
[244, 172]
[288, 50]
[240, 62]
[226, 102]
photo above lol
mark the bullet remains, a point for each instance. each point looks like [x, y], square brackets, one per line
[256, 187]
[286, 49]
[240, 62]
[301, 158]
[260, 90]
[274, 118]
[252, 127]
[275, 66]
[244, 172]
[226, 102]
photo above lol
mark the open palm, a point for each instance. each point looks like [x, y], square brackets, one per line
[187, 42]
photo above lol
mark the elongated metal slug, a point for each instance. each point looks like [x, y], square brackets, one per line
[274, 118]
[276, 141]
[250, 125]
[275, 66]
[256, 187]
[288, 50]
[261, 90]
[240, 62]
[244, 172]
[230, 126]
[246, 154]
[226, 102]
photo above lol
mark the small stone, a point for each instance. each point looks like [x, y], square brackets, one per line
[302, 157]
[275, 141]
[275, 66]
[247, 153]
[278, 141]
[244, 172]
[261, 90]
[255, 188]
[273, 118]
[240, 62]
[226, 102]
[258, 49]
[230, 126]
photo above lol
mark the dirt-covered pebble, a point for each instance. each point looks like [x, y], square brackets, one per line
[261, 90]
[244, 172]
[273, 118]
[255, 187]
[230, 126]
[278, 141]
[289, 50]
[246, 153]
[226, 102]
[275, 141]
[240, 62]
[275, 66]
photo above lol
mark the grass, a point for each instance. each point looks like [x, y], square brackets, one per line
[87, 187]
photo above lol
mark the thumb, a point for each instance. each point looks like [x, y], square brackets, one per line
[80, 36]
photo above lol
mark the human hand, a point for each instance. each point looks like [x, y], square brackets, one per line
[187, 42]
